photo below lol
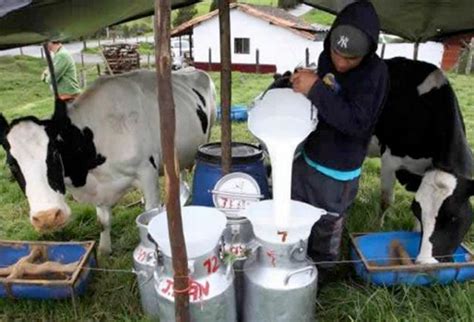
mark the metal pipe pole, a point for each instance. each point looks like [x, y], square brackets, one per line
[51, 70]
[171, 165]
[415, 50]
[226, 85]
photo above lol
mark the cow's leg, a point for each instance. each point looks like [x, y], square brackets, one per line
[435, 187]
[103, 214]
[148, 181]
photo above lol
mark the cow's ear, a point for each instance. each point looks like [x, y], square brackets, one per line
[60, 113]
[410, 180]
[3, 127]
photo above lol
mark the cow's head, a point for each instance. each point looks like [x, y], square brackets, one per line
[40, 153]
[35, 163]
[442, 205]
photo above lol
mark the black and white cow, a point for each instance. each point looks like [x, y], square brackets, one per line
[423, 144]
[421, 139]
[106, 142]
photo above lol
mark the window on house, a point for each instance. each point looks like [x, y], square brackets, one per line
[241, 45]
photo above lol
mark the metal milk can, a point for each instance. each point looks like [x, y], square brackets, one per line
[211, 280]
[238, 238]
[231, 195]
[144, 261]
[280, 284]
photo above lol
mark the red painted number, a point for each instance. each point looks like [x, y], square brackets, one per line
[141, 254]
[212, 264]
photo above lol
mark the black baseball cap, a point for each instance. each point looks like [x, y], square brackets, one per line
[349, 41]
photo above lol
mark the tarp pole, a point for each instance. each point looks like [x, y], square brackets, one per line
[170, 162]
[226, 85]
[415, 50]
[51, 70]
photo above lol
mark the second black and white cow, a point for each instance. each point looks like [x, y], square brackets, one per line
[423, 144]
[421, 139]
[106, 142]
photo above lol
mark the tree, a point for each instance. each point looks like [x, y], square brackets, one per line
[213, 5]
[184, 14]
[288, 4]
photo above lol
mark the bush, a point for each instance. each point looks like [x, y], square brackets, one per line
[184, 14]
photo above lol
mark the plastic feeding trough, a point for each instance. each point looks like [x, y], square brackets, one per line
[386, 258]
[45, 270]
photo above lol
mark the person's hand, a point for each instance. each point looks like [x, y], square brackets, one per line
[303, 80]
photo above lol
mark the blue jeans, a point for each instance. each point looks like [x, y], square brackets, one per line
[334, 196]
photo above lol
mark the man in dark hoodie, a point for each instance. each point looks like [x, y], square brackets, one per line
[349, 90]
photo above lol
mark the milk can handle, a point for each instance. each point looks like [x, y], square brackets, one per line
[301, 270]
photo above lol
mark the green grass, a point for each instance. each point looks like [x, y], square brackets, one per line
[203, 6]
[113, 296]
[318, 16]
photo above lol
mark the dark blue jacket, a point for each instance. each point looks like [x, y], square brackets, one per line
[348, 112]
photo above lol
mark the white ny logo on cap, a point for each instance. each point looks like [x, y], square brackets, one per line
[343, 41]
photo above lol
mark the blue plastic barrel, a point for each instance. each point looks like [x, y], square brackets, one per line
[238, 113]
[245, 158]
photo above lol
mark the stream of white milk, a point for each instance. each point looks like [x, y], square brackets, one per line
[282, 135]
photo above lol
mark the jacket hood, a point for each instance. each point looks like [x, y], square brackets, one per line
[362, 15]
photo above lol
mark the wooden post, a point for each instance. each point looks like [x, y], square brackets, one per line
[51, 70]
[82, 78]
[210, 59]
[82, 59]
[180, 47]
[226, 86]
[191, 47]
[257, 61]
[306, 57]
[42, 53]
[171, 166]
[415, 50]
[84, 44]
[21, 51]
[98, 69]
[470, 53]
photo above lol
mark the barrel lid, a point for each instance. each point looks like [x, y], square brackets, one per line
[241, 152]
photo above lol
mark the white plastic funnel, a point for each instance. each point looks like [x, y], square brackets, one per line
[282, 119]
[302, 215]
[202, 227]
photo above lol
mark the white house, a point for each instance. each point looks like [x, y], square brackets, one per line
[282, 41]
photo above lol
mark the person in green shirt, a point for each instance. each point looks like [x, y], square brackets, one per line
[65, 72]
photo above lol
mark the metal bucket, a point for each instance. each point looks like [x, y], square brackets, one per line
[280, 284]
[144, 262]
